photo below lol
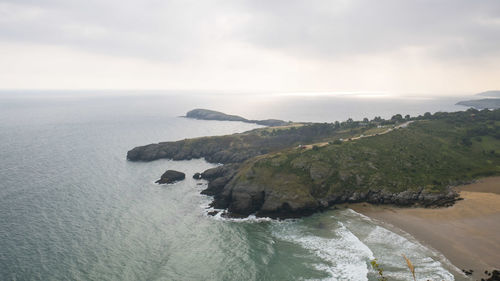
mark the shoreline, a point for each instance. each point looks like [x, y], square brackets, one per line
[465, 233]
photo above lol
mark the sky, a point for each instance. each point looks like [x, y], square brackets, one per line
[383, 46]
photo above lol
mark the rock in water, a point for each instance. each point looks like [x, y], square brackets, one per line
[171, 176]
[197, 176]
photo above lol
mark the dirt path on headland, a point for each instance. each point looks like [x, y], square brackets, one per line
[320, 144]
[468, 233]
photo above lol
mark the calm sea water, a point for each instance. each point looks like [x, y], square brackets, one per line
[73, 208]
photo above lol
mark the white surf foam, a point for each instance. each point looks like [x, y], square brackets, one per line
[389, 247]
[345, 256]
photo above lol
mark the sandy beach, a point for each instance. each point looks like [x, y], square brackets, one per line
[468, 233]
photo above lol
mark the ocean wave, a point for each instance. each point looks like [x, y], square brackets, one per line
[389, 246]
[345, 257]
[348, 241]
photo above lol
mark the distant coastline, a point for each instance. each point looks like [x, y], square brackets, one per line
[481, 103]
[491, 94]
[491, 101]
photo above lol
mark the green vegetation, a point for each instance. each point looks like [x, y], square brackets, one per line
[429, 155]
[297, 169]
[237, 148]
[380, 271]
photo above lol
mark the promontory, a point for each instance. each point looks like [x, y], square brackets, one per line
[300, 168]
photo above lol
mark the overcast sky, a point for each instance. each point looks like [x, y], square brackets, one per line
[390, 46]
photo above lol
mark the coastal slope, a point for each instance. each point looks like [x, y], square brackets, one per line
[238, 148]
[409, 166]
[272, 174]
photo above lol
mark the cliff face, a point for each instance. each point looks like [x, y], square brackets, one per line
[224, 149]
[265, 188]
[269, 175]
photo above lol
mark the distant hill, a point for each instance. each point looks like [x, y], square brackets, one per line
[207, 114]
[482, 103]
[491, 94]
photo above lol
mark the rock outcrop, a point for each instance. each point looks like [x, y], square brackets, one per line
[218, 177]
[171, 176]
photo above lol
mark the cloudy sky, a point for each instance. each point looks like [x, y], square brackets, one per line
[395, 46]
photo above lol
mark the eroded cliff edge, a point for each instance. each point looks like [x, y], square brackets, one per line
[270, 172]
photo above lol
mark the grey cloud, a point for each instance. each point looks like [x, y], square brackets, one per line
[333, 28]
[165, 30]
[328, 29]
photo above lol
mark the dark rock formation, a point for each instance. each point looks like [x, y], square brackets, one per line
[212, 213]
[493, 276]
[197, 176]
[243, 199]
[171, 176]
[217, 179]
[214, 150]
[206, 114]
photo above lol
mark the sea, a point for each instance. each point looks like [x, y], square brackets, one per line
[73, 208]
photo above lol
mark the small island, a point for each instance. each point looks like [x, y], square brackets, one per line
[301, 168]
[206, 114]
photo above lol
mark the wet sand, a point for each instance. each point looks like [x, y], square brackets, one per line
[467, 234]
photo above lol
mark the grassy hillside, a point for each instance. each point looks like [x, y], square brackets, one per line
[240, 147]
[424, 158]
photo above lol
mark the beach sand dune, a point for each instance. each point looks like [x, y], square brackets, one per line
[468, 233]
